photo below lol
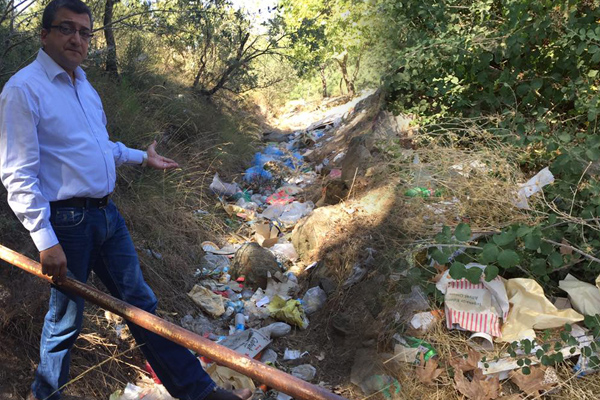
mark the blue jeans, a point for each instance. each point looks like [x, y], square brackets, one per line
[97, 238]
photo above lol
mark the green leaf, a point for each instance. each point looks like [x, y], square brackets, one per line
[439, 256]
[473, 275]
[532, 241]
[593, 154]
[504, 238]
[545, 360]
[520, 362]
[538, 266]
[564, 137]
[527, 361]
[489, 253]
[457, 270]
[568, 328]
[526, 370]
[555, 260]
[546, 248]
[462, 232]
[491, 272]
[508, 259]
[524, 230]
[539, 353]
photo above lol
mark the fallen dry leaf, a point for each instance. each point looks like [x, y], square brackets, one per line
[427, 372]
[477, 389]
[514, 396]
[441, 269]
[466, 364]
[564, 249]
[533, 383]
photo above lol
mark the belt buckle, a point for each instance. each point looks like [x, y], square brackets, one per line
[103, 202]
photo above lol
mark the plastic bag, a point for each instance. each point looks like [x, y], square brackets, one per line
[222, 188]
[289, 311]
[314, 299]
[585, 297]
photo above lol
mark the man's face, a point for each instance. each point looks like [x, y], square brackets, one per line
[68, 51]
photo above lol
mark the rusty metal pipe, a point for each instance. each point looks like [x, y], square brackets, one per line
[256, 370]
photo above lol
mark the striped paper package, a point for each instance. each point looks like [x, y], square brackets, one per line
[476, 307]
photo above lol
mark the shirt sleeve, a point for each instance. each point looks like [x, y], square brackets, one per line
[20, 163]
[125, 155]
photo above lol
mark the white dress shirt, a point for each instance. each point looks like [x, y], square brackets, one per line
[54, 144]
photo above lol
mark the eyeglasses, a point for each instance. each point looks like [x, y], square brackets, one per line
[67, 30]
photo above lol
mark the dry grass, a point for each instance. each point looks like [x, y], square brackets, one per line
[474, 185]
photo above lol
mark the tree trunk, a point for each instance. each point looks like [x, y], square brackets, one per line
[323, 80]
[342, 61]
[111, 55]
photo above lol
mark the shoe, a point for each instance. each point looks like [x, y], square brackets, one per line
[222, 394]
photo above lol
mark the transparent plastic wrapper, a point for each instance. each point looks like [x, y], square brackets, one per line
[294, 211]
[314, 299]
[287, 250]
[273, 212]
[222, 188]
[305, 372]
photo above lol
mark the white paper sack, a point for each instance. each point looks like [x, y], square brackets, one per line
[534, 185]
[474, 307]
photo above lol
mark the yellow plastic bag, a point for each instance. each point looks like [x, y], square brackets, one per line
[289, 311]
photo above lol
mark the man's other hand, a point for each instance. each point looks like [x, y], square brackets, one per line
[157, 161]
[54, 263]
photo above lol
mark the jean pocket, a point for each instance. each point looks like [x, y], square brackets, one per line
[67, 217]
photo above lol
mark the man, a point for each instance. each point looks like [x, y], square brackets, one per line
[58, 166]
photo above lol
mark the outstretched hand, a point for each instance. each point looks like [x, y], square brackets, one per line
[157, 161]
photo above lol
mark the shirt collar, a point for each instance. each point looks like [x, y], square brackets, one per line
[53, 69]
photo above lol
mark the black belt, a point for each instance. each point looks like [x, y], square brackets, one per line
[83, 202]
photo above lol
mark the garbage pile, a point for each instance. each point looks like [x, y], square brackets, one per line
[248, 292]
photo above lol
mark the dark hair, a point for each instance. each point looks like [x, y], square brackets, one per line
[77, 6]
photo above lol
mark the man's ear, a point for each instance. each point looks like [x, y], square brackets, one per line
[43, 35]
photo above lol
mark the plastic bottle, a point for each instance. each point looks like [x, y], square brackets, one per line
[228, 311]
[233, 296]
[240, 322]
